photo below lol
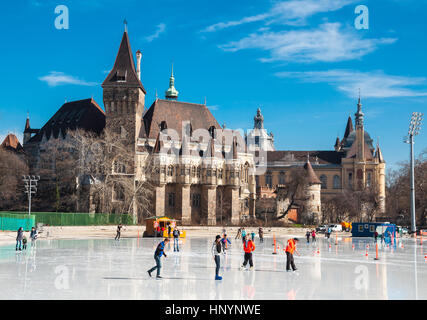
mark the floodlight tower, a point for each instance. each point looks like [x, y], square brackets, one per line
[30, 188]
[414, 129]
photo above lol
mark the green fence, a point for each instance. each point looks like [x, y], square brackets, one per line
[12, 221]
[77, 219]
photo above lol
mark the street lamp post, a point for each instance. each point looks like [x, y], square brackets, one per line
[30, 188]
[414, 129]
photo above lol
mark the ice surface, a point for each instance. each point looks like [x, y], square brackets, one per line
[109, 269]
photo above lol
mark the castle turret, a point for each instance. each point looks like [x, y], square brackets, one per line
[171, 92]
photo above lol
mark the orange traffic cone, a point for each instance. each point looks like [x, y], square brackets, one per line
[318, 251]
[376, 252]
[274, 240]
[353, 246]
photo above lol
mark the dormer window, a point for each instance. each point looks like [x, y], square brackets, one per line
[120, 76]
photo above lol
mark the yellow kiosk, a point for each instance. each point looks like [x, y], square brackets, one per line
[152, 223]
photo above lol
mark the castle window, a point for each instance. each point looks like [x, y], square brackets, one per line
[282, 177]
[257, 180]
[350, 179]
[323, 179]
[337, 182]
[170, 171]
[118, 193]
[220, 173]
[257, 140]
[269, 180]
[163, 126]
[369, 180]
[171, 199]
[212, 131]
[198, 172]
[209, 173]
[182, 171]
[195, 200]
[193, 171]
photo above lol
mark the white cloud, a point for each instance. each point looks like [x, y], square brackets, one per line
[329, 43]
[293, 12]
[161, 27]
[55, 78]
[374, 84]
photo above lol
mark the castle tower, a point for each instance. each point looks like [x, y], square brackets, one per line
[124, 100]
[312, 205]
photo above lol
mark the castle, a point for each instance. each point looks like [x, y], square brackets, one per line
[203, 173]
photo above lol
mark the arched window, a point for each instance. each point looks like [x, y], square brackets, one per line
[324, 182]
[269, 180]
[337, 182]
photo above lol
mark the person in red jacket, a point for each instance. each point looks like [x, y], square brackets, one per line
[290, 249]
[248, 247]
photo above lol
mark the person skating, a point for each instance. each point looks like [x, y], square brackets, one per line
[216, 252]
[261, 234]
[24, 243]
[33, 234]
[176, 234]
[307, 235]
[313, 235]
[290, 249]
[243, 234]
[239, 233]
[253, 236]
[225, 242]
[248, 248]
[157, 257]
[169, 230]
[19, 236]
[119, 230]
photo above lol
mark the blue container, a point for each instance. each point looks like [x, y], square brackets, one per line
[367, 229]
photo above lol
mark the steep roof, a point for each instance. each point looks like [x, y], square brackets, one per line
[174, 113]
[323, 157]
[82, 114]
[11, 143]
[311, 176]
[123, 73]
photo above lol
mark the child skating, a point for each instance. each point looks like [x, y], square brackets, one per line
[225, 242]
[248, 248]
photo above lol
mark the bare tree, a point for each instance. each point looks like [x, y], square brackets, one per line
[12, 167]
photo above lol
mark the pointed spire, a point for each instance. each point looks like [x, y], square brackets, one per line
[27, 123]
[379, 154]
[171, 92]
[311, 176]
[359, 114]
[348, 128]
[337, 144]
[123, 73]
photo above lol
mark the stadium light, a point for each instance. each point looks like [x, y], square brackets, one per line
[414, 130]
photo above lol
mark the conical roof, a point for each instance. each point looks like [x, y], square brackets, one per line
[311, 175]
[123, 73]
[349, 127]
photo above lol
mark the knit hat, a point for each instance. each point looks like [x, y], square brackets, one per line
[217, 237]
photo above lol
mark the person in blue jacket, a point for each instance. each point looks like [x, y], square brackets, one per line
[157, 255]
[225, 242]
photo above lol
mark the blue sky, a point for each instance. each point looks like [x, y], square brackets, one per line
[301, 61]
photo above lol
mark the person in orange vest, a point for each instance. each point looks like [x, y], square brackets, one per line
[290, 249]
[248, 247]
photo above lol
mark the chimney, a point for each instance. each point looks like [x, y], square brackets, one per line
[138, 64]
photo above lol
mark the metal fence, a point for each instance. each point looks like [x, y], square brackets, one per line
[12, 222]
[74, 219]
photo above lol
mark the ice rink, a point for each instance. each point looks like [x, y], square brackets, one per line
[109, 269]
